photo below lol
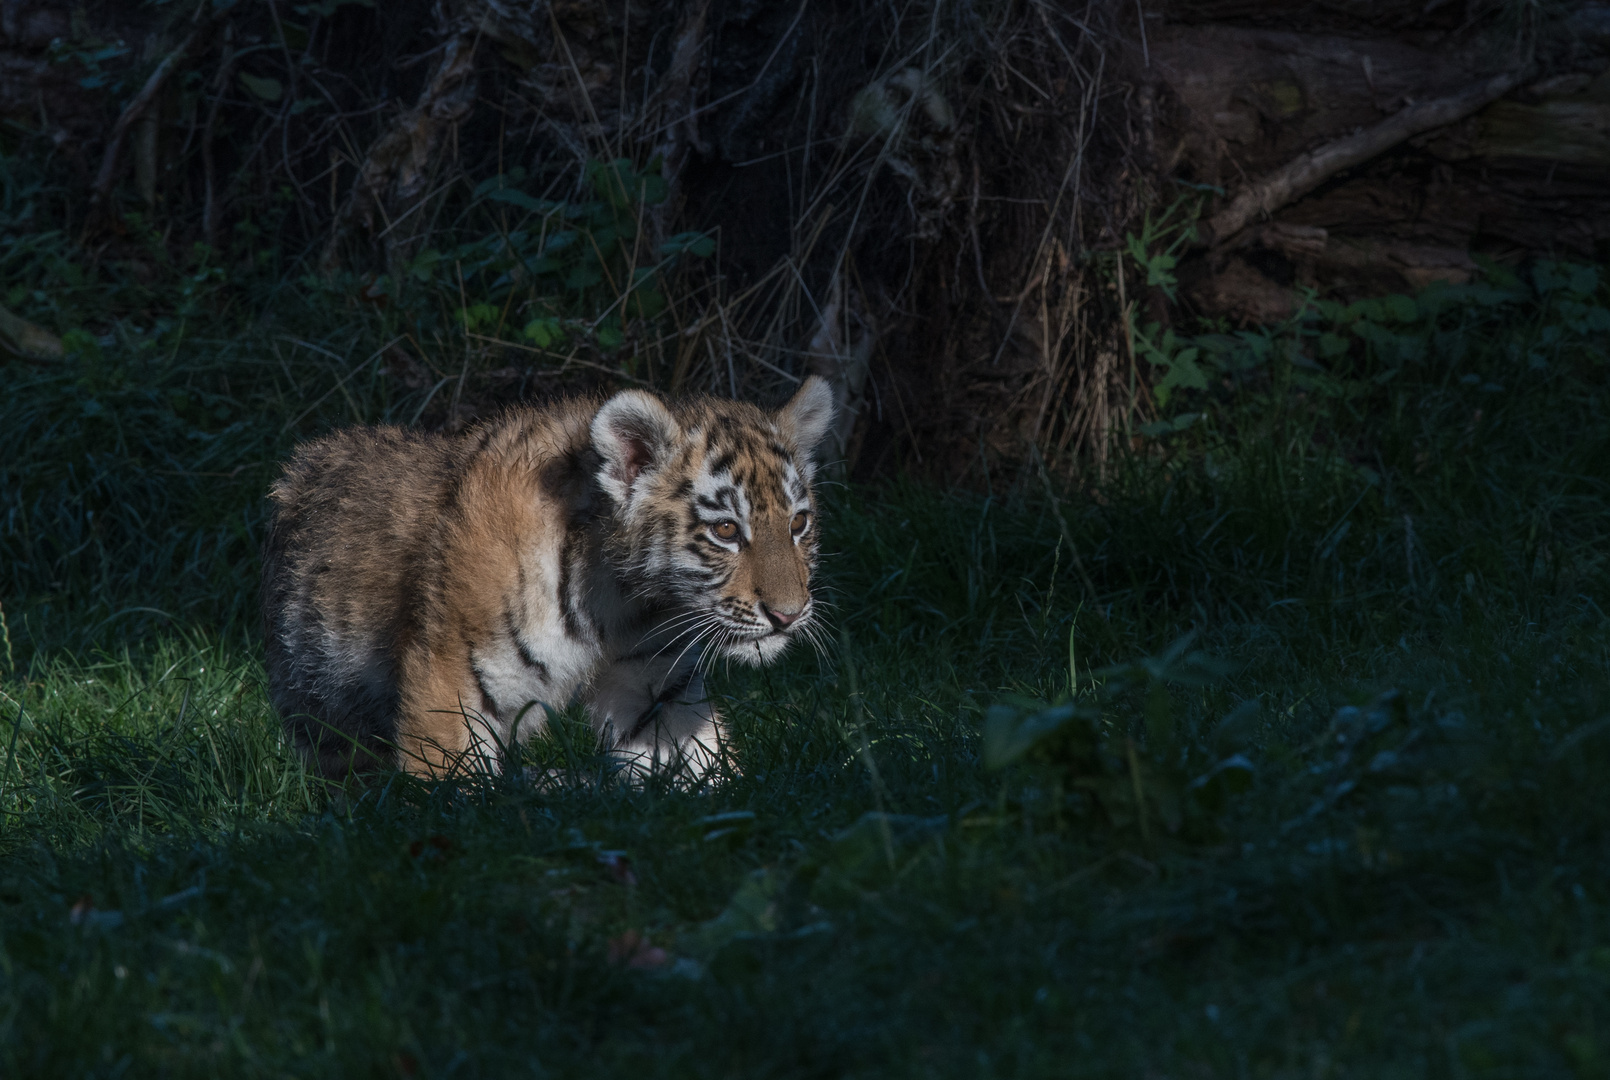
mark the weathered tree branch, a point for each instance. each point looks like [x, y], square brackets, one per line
[19, 337]
[1302, 175]
[841, 352]
[107, 176]
[679, 130]
[394, 174]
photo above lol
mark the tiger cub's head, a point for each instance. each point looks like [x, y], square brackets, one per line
[714, 512]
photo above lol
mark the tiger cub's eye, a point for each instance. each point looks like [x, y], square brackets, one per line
[726, 530]
[801, 520]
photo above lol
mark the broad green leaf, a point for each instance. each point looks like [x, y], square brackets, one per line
[646, 303]
[1371, 309]
[653, 191]
[1400, 308]
[478, 315]
[262, 86]
[699, 245]
[1237, 727]
[1009, 733]
[1218, 785]
[544, 332]
[1258, 343]
[325, 8]
[518, 198]
[584, 276]
[1584, 280]
[1547, 275]
[512, 178]
[1182, 372]
[1158, 270]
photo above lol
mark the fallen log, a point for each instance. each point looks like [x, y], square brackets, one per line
[1297, 178]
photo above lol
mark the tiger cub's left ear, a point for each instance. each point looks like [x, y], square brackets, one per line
[808, 416]
[634, 433]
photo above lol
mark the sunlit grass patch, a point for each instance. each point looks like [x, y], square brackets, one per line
[175, 739]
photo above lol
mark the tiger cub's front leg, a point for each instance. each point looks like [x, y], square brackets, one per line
[652, 714]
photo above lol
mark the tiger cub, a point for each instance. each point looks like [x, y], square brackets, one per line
[427, 597]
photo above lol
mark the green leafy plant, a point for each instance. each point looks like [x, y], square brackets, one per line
[1351, 350]
[1181, 371]
[1156, 253]
[565, 270]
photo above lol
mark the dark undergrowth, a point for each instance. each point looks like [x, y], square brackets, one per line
[1281, 754]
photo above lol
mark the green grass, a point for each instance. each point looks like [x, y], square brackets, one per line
[1414, 883]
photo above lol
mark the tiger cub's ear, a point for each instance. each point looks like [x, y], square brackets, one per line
[633, 432]
[808, 416]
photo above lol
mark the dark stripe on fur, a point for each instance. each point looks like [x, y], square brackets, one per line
[526, 656]
[489, 707]
[572, 553]
[722, 463]
[665, 697]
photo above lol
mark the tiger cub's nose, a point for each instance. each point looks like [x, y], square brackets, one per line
[780, 618]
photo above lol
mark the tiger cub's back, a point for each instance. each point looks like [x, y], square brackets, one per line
[352, 538]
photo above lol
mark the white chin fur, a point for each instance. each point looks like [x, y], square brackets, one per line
[758, 651]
